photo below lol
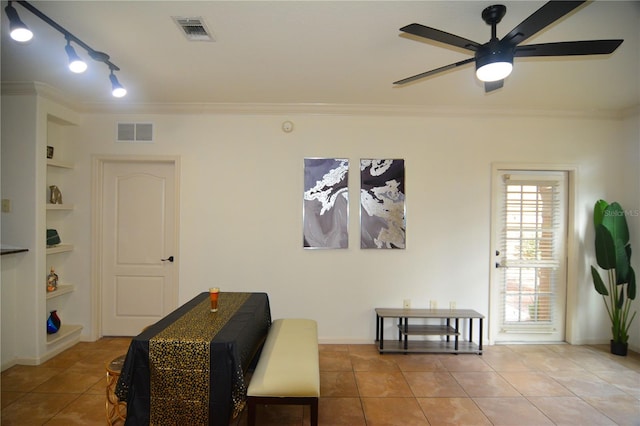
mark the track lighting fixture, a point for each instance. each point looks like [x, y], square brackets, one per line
[76, 64]
[20, 32]
[116, 88]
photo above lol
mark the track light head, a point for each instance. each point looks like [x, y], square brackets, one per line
[76, 64]
[18, 30]
[117, 90]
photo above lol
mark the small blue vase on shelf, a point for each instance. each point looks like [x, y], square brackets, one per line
[53, 323]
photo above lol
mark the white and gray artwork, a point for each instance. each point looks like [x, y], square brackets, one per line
[326, 203]
[382, 204]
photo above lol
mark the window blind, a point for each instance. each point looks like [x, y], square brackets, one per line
[530, 255]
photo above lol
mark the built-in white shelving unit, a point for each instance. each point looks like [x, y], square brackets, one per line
[34, 117]
[60, 217]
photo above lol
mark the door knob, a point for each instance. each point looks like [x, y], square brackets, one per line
[170, 259]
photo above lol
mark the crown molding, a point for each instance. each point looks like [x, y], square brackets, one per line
[343, 110]
[44, 90]
[36, 88]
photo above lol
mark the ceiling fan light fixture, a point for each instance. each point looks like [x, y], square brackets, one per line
[17, 29]
[494, 67]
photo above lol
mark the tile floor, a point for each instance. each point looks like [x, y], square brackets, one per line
[507, 385]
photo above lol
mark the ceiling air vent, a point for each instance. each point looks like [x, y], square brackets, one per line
[135, 132]
[194, 29]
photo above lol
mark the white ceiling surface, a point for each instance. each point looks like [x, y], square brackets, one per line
[322, 53]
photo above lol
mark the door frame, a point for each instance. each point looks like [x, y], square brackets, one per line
[571, 309]
[97, 179]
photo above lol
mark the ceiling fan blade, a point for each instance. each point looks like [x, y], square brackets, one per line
[568, 48]
[490, 86]
[432, 72]
[541, 18]
[441, 36]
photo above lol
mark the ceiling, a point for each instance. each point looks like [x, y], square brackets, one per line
[322, 53]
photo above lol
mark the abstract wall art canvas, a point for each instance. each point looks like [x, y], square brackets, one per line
[382, 204]
[326, 203]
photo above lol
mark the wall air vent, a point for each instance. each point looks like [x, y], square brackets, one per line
[135, 132]
[194, 29]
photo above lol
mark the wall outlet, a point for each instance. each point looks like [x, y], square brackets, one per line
[406, 304]
[452, 305]
[433, 304]
[6, 205]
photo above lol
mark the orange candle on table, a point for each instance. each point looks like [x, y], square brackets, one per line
[213, 296]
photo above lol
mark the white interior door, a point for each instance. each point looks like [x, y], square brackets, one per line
[139, 222]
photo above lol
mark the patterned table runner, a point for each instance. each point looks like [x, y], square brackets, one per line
[179, 360]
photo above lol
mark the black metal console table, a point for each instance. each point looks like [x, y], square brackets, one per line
[450, 329]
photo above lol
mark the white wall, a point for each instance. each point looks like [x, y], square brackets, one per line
[19, 274]
[241, 218]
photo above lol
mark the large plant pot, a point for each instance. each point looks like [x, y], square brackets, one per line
[619, 348]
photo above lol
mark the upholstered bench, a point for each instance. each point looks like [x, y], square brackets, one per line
[288, 370]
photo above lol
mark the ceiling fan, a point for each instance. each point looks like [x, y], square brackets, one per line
[494, 59]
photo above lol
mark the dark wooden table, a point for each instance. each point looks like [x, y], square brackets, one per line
[189, 367]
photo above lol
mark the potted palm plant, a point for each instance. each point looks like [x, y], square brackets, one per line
[613, 254]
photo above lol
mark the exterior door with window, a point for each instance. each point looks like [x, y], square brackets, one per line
[529, 279]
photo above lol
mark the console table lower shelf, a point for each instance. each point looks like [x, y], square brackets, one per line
[449, 332]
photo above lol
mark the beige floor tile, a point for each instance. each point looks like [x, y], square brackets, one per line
[603, 387]
[624, 410]
[35, 409]
[512, 411]
[372, 362]
[417, 362]
[393, 411]
[626, 380]
[505, 361]
[484, 384]
[550, 362]
[65, 360]
[340, 411]
[335, 361]
[585, 384]
[86, 410]
[382, 384]
[94, 362]
[453, 411]
[10, 397]
[332, 348]
[530, 383]
[464, 363]
[21, 378]
[433, 384]
[99, 388]
[338, 384]
[570, 411]
[529, 349]
[593, 361]
[69, 382]
[366, 348]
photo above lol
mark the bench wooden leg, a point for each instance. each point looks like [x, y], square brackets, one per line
[314, 412]
[251, 414]
[252, 402]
